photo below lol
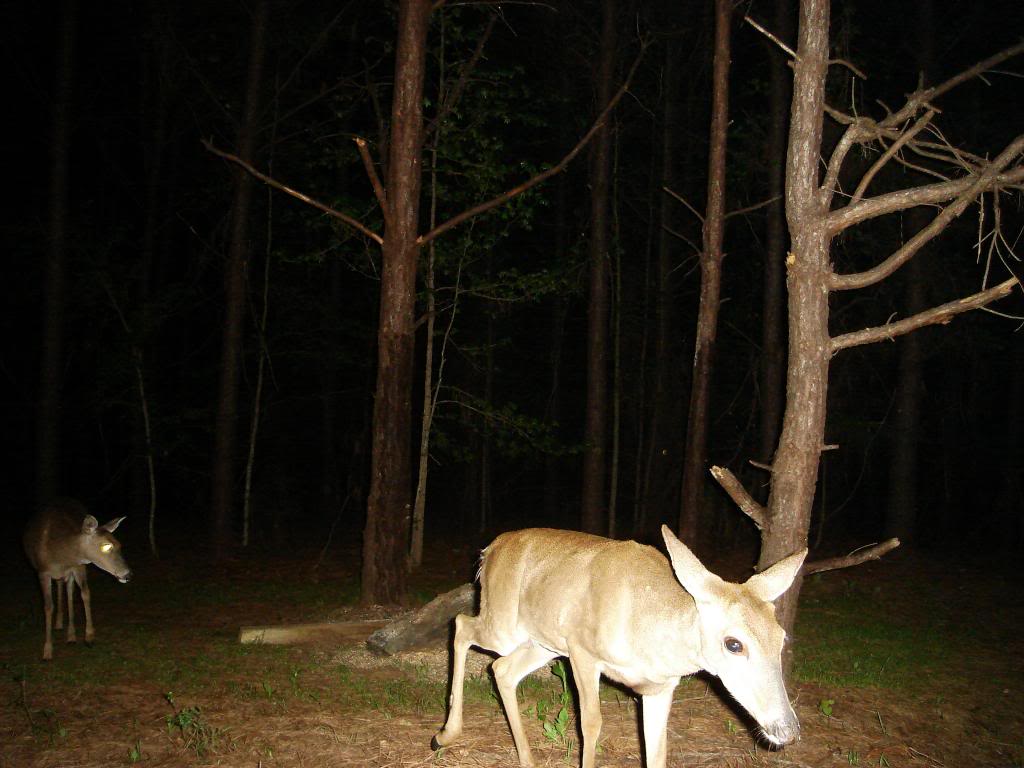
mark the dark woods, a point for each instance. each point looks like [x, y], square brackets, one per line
[184, 340]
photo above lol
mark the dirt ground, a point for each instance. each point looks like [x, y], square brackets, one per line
[968, 714]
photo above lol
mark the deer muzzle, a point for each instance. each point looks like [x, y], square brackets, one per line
[781, 732]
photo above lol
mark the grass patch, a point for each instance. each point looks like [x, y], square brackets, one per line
[845, 639]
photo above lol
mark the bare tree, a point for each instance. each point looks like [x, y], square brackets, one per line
[963, 177]
[389, 504]
[225, 436]
[710, 283]
[593, 501]
[385, 537]
[54, 290]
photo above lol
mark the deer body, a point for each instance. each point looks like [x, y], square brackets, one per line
[60, 540]
[616, 608]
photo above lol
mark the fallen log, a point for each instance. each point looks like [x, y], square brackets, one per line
[427, 627]
[326, 632]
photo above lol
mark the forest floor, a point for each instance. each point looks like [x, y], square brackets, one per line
[913, 661]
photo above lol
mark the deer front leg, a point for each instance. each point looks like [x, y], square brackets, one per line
[587, 672]
[82, 577]
[655, 716]
[44, 584]
[508, 671]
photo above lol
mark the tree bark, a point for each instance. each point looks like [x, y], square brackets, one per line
[695, 457]
[54, 287]
[795, 468]
[593, 502]
[226, 424]
[385, 537]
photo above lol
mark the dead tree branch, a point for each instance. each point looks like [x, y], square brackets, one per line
[354, 223]
[921, 98]
[371, 173]
[966, 187]
[861, 128]
[970, 188]
[893, 148]
[943, 314]
[732, 486]
[789, 51]
[854, 558]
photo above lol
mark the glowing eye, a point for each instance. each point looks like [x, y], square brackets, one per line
[106, 547]
[732, 645]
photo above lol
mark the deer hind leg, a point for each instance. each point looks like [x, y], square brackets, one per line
[58, 622]
[47, 589]
[508, 671]
[465, 627]
[70, 581]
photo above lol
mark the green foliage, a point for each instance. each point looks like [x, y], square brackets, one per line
[556, 726]
[411, 688]
[135, 752]
[825, 707]
[198, 735]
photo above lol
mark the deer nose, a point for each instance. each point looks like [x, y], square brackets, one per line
[782, 731]
[126, 577]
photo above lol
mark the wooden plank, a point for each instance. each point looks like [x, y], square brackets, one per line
[327, 632]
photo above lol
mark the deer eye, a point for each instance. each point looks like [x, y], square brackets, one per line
[732, 645]
[106, 547]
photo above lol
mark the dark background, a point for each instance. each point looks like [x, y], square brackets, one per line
[153, 79]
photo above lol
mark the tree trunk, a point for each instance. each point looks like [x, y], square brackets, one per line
[593, 501]
[695, 457]
[901, 514]
[795, 468]
[773, 359]
[225, 428]
[663, 434]
[54, 287]
[388, 510]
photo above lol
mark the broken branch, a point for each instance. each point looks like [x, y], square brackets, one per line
[371, 172]
[354, 223]
[732, 486]
[854, 558]
[940, 314]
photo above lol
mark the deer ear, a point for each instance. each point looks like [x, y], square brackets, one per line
[695, 578]
[89, 525]
[112, 525]
[771, 583]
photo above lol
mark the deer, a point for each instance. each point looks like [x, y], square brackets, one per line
[620, 609]
[61, 539]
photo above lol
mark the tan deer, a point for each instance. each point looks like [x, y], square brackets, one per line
[61, 539]
[616, 609]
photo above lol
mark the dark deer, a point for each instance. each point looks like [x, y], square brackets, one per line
[61, 539]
